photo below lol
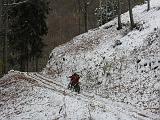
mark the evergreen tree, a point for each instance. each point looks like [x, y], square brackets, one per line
[112, 8]
[27, 26]
[106, 12]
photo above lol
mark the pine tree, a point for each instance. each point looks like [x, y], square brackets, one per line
[106, 12]
[27, 25]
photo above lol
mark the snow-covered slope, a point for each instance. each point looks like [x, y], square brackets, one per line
[120, 76]
[119, 65]
[31, 97]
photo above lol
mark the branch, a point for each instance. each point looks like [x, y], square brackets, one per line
[19, 3]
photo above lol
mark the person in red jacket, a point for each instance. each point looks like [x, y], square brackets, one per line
[74, 82]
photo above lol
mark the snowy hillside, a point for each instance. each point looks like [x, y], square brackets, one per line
[120, 76]
[29, 97]
[119, 65]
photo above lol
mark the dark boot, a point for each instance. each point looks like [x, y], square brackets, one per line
[77, 88]
[69, 86]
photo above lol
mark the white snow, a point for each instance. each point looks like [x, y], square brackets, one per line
[35, 100]
[120, 76]
[95, 54]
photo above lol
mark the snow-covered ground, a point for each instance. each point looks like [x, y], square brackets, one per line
[120, 76]
[26, 97]
[125, 62]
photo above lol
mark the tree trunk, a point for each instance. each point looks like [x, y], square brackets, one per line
[100, 6]
[79, 17]
[22, 65]
[5, 52]
[106, 11]
[148, 5]
[22, 59]
[131, 14]
[1, 12]
[27, 60]
[37, 60]
[85, 16]
[3, 59]
[1, 29]
[119, 16]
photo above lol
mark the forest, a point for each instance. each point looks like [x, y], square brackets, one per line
[57, 22]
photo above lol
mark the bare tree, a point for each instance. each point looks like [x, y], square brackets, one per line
[1, 13]
[79, 15]
[106, 10]
[119, 16]
[131, 14]
[1, 27]
[1, 6]
[100, 6]
[86, 3]
[84, 7]
[5, 61]
[4, 31]
[37, 62]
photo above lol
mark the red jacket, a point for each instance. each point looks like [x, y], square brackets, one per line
[74, 79]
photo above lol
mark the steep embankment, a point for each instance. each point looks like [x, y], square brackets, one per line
[120, 65]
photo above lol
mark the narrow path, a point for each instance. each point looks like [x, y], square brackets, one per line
[115, 108]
